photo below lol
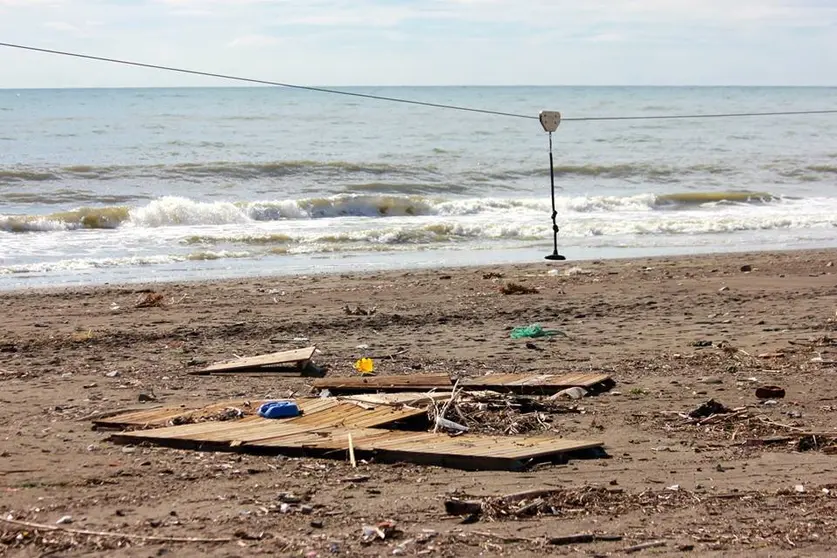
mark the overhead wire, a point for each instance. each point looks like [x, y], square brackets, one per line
[410, 101]
[265, 81]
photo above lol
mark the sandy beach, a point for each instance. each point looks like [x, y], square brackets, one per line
[672, 332]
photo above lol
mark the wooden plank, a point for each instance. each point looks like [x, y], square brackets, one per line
[412, 382]
[406, 398]
[163, 416]
[296, 357]
[534, 384]
[472, 452]
[525, 384]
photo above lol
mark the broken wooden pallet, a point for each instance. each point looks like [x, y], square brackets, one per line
[527, 384]
[295, 361]
[316, 412]
[470, 452]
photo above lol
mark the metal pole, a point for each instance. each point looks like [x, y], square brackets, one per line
[555, 255]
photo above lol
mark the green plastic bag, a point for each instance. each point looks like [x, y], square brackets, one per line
[534, 330]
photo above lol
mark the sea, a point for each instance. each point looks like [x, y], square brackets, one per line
[126, 185]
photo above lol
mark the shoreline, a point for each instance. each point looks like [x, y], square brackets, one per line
[509, 258]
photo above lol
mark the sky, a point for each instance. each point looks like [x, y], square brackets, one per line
[424, 42]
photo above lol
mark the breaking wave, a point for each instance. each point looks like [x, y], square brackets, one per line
[179, 211]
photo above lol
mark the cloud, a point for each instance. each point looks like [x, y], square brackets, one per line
[253, 41]
[64, 26]
[429, 41]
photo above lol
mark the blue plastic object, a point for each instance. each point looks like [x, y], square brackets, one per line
[279, 409]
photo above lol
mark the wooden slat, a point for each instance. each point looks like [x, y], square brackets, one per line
[406, 398]
[163, 416]
[514, 383]
[538, 383]
[412, 382]
[296, 357]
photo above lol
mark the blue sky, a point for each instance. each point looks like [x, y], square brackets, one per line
[426, 42]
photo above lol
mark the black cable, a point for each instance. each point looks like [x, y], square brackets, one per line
[694, 116]
[410, 101]
[265, 82]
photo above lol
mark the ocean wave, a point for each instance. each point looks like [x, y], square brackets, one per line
[82, 264]
[705, 198]
[26, 175]
[223, 170]
[83, 218]
[377, 174]
[646, 171]
[178, 211]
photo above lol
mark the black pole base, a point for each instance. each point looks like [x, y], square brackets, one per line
[555, 256]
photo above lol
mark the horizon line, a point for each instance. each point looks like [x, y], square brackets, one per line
[428, 86]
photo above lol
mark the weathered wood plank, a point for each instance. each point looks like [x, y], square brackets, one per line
[524, 384]
[262, 363]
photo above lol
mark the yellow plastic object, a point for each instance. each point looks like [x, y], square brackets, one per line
[365, 366]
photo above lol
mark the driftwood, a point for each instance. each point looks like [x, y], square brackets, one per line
[643, 546]
[115, 412]
[455, 506]
[43, 527]
[581, 538]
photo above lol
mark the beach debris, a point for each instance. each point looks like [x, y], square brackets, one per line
[581, 538]
[570, 393]
[534, 384]
[534, 331]
[440, 415]
[296, 361]
[710, 408]
[365, 366]
[352, 459]
[442, 422]
[67, 519]
[82, 335]
[356, 479]
[576, 271]
[746, 268]
[359, 310]
[770, 392]
[512, 288]
[457, 506]
[381, 531]
[146, 397]
[643, 546]
[279, 410]
[132, 536]
[151, 299]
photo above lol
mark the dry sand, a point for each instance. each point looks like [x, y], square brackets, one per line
[673, 332]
